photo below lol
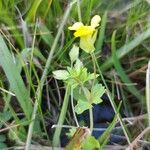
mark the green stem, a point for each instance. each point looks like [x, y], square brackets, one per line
[91, 119]
[56, 137]
[73, 109]
[90, 111]
[94, 66]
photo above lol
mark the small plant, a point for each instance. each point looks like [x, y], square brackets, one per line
[83, 85]
[89, 57]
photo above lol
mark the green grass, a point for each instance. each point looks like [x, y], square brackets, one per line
[35, 41]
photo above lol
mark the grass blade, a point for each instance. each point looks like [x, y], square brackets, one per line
[121, 71]
[32, 12]
[105, 136]
[121, 52]
[56, 137]
[101, 35]
[14, 78]
[46, 35]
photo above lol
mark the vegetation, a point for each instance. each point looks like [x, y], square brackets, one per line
[74, 74]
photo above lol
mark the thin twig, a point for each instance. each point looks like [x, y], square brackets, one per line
[148, 91]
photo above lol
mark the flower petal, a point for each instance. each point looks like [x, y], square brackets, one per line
[87, 44]
[95, 21]
[84, 31]
[76, 26]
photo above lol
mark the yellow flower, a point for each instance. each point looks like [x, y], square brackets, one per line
[87, 34]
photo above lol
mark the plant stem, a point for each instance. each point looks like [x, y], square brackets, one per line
[72, 105]
[94, 66]
[56, 137]
[90, 111]
[91, 119]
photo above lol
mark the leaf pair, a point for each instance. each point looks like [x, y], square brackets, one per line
[86, 98]
[74, 76]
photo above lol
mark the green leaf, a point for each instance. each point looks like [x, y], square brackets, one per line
[32, 12]
[83, 75]
[96, 93]
[91, 76]
[48, 37]
[74, 53]
[61, 74]
[71, 132]
[82, 106]
[4, 116]
[18, 133]
[78, 66]
[14, 78]
[79, 95]
[72, 83]
[91, 144]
